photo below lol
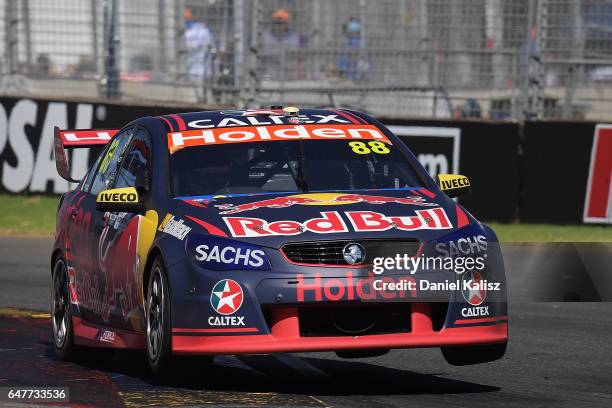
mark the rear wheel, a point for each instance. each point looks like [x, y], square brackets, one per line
[61, 319]
[466, 355]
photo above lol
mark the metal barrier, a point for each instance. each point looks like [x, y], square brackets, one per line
[495, 59]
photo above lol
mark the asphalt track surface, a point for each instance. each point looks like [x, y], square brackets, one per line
[559, 355]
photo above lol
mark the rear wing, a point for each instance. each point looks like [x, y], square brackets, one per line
[71, 139]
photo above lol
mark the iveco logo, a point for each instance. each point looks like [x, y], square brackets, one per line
[353, 254]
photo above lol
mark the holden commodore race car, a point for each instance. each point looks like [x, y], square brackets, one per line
[267, 231]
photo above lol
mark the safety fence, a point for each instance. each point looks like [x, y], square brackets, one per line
[494, 59]
[542, 171]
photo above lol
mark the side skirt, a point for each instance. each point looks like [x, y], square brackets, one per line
[91, 335]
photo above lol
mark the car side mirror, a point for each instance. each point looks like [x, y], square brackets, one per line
[124, 199]
[454, 185]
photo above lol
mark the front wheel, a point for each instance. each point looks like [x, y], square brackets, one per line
[159, 335]
[61, 318]
[466, 355]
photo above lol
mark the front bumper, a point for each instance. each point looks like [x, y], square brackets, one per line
[285, 336]
[272, 314]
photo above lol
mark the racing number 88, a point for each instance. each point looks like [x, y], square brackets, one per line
[373, 146]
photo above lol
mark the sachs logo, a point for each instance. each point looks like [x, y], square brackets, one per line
[472, 288]
[226, 297]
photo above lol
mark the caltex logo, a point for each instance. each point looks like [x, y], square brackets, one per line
[226, 297]
[473, 288]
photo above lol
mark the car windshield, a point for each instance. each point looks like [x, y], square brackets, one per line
[289, 166]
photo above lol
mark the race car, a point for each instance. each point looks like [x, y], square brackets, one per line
[269, 231]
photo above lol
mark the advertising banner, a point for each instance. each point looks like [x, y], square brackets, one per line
[516, 172]
[486, 152]
[566, 173]
[26, 139]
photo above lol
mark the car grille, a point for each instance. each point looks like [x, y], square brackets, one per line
[362, 319]
[358, 320]
[330, 252]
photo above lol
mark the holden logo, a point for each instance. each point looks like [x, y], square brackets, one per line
[353, 254]
[226, 297]
[472, 289]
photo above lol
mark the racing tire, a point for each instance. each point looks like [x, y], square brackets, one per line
[61, 316]
[467, 355]
[159, 332]
[158, 320]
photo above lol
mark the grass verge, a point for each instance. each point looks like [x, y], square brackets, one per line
[27, 215]
[552, 233]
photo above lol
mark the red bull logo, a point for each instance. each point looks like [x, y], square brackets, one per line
[118, 290]
[374, 199]
[277, 202]
[332, 222]
[322, 199]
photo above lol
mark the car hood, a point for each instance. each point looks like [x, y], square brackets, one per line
[274, 219]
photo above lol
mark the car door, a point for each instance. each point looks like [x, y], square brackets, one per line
[84, 231]
[118, 236]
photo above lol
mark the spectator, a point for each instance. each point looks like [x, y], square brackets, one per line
[85, 68]
[350, 64]
[200, 43]
[276, 41]
[470, 109]
[43, 66]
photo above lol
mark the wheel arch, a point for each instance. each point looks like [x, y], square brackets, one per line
[154, 253]
[57, 253]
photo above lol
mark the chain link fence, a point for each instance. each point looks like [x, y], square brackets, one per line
[411, 58]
